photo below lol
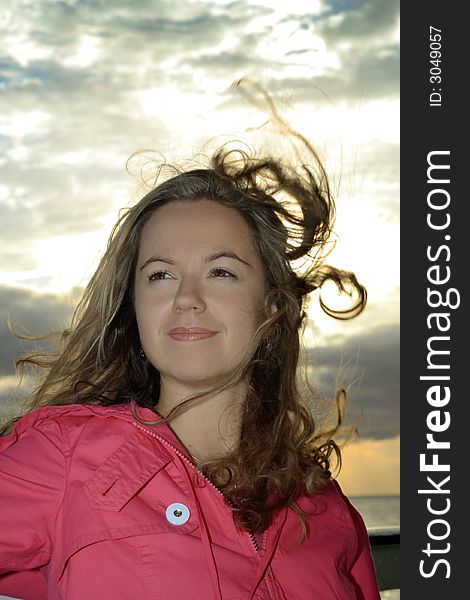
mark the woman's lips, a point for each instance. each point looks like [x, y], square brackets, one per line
[190, 334]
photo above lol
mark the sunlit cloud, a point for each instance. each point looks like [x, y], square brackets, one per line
[19, 124]
[86, 54]
[371, 467]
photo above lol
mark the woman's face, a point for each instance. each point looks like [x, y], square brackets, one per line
[199, 291]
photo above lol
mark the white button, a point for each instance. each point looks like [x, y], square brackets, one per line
[177, 514]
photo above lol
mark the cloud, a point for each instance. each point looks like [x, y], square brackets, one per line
[11, 396]
[53, 169]
[31, 312]
[364, 465]
[359, 76]
[48, 201]
[77, 70]
[368, 366]
[360, 20]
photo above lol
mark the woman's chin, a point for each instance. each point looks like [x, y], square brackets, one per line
[197, 380]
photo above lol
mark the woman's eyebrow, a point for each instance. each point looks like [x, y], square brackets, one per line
[206, 259]
[169, 261]
[227, 254]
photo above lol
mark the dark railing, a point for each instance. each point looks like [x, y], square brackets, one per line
[385, 544]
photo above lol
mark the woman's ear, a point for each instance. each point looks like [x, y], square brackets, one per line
[273, 308]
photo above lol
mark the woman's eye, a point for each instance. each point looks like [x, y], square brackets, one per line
[221, 273]
[159, 275]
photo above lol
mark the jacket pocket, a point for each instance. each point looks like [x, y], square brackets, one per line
[128, 500]
[125, 472]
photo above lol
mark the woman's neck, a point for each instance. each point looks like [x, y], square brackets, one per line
[210, 428]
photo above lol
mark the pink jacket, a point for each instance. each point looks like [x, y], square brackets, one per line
[96, 506]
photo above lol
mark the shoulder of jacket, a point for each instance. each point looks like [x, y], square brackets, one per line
[49, 418]
[331, 500]
[85, 411]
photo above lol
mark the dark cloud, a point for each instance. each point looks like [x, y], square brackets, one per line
[151, 31]
[359, 20]
[361, 33]
[134, 44]
[241, 60]
[374, 74]
[369, 364]
[30, 312]
[11, 395]
[363, 74]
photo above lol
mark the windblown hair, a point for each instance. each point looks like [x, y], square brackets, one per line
[290, 211]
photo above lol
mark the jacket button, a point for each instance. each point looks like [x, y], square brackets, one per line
[177, 514]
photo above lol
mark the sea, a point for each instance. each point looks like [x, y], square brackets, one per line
[377, 511]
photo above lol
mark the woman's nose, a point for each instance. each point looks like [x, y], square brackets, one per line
[188, 296]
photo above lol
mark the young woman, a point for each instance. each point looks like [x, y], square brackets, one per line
[170, 453]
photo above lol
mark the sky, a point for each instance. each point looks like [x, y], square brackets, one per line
[85, 84]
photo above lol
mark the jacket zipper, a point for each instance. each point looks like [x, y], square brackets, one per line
[200, 474]
[255, 544]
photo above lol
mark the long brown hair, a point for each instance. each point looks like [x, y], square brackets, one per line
[290, 210]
